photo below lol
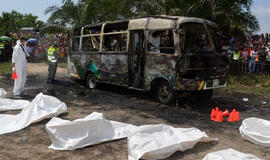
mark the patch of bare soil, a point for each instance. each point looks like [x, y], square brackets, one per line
[129, 106]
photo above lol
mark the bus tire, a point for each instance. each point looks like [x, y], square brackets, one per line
[164, 92]
[91, 81]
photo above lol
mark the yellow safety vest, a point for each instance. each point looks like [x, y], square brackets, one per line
[52, 55]
[236, 56]
[2, 46]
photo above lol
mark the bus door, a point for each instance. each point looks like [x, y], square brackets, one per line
[135, 60]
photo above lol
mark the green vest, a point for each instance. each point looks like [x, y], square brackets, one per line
[52, 55]
[236, 56]
[2, 46]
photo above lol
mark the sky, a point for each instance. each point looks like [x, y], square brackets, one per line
[261, 8]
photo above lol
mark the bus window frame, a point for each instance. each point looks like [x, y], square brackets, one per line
[91, 35]
[175, 39]
[115, 33]
[101, 30]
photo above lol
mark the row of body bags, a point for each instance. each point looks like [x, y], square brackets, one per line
[41, 107]
[144, 142]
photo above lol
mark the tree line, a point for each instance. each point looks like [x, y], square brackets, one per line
[14, 21]
[232, 16]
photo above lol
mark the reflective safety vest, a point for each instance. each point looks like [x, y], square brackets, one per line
[236, 56]
[2, 46]
[52, 55]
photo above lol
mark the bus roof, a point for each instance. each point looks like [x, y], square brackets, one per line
[158, 22]
[164, 21]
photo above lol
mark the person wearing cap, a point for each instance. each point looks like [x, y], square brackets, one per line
[19, 63]
[53, 56]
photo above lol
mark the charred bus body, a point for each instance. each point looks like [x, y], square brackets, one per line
[168, 55]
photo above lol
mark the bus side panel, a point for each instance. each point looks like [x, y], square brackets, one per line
[114, 68]
[159, 66]
[84, 63]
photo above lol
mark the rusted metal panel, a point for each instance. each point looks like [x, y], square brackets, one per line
[82, 63]
[159, 66]
[114, 68]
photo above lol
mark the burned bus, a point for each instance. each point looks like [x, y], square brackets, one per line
[167, 55]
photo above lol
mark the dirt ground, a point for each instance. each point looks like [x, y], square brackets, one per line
[129, 106]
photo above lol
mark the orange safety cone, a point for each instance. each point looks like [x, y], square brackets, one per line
[231, 117]
[226, 113]
[14, 75]
[213, 114]
[219, 117]
[236, 117]
[217, 111]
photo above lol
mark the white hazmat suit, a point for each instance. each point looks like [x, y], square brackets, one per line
[19, 58]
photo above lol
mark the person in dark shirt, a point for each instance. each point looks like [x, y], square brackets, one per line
[261, 62]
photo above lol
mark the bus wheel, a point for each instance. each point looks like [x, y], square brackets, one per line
[164, 93]
[91, 81]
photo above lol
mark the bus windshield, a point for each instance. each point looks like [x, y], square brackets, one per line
[194, 39]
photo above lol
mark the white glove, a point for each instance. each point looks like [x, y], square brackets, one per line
[13, 69]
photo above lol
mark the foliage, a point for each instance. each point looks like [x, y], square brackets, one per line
[14, 21]
[67, 14]
[5, 68]
[232, 16]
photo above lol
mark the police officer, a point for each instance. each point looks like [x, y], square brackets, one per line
[53, 56]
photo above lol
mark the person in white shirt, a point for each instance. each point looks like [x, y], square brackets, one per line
[154, 42]
[19, 62]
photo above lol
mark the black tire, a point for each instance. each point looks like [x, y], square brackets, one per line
[203, 96]
[164, 92]
[91, 81]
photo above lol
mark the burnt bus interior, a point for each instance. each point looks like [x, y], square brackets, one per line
[199, 60]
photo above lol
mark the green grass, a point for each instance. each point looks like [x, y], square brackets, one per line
[248, 83]
[5, 68]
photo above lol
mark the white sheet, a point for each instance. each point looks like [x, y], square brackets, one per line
[256, 131]
[41, 107]
[161, 141]
[229, 154]
[93, 129]
[10, 104]
[3, 93]
[147, 142]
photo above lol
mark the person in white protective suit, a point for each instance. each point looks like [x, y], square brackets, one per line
[19, 62]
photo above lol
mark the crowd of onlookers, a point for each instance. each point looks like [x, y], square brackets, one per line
[49, 39]
[252, 56]
[37, 49]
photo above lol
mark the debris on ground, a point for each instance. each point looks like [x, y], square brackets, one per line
[245, 99]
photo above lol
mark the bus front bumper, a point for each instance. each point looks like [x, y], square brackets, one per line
[197, 85]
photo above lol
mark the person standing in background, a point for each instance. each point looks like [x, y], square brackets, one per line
[19, 62]
[53, 57]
